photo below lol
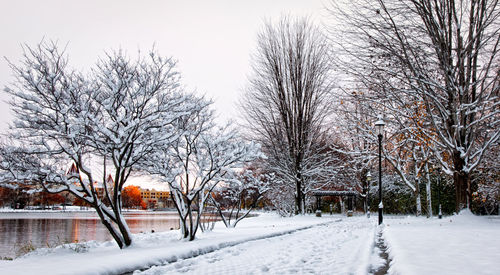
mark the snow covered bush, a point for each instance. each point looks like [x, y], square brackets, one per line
[281, 197]
[486, 200]
[240, 192]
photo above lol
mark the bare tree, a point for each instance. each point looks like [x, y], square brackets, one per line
[444, 54]
[355, 139]
[286, 102]
[197, 161]
[113, 118]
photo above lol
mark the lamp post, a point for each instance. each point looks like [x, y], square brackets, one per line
[438, 169]
[379, 126]
[368, 182]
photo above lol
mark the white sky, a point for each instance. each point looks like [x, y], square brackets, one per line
[211, 39]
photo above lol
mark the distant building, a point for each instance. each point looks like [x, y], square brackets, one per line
[156, 199]
[152, 198]
[98, 186]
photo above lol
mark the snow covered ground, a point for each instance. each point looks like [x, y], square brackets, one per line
[341, 247]
[268, 244]
[462, 244]
[153, 248]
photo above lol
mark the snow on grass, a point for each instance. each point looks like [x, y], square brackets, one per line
[461, 244]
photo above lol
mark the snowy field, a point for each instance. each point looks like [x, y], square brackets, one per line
[463, 244]
[268, 244]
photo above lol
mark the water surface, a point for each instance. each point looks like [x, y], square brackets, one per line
[46, 229]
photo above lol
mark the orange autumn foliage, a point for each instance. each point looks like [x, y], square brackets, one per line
[131, 197]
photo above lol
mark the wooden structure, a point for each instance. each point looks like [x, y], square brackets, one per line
[349, 194]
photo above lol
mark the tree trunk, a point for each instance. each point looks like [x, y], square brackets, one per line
[428, 191]
[121, 223]
[461, 181]
[462, 192]
[299, 196]
[429, 199]
[185, 230]
[419, 201]
[190, 221]
[109, 226]
[124, 230]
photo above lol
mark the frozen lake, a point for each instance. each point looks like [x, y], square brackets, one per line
[49, 229]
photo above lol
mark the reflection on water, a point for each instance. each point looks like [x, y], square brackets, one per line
[50, 229]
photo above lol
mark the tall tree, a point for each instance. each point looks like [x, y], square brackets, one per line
[444, 54]
[286, 102]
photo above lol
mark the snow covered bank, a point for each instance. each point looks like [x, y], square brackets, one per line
[462, 244]
[151, 249]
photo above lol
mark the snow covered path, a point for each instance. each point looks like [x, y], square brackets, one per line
[342, 247]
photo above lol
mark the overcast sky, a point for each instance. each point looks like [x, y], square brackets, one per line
[211, 39]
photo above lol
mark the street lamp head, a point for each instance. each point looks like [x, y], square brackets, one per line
[379, 125]
[369, 176]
